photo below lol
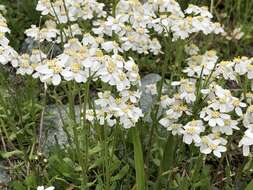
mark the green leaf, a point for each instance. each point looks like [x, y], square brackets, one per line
[17, 185]
[138, 159]
[96, 149]
[249, 186]
[30, 181]
[12, 153]
[121, 173]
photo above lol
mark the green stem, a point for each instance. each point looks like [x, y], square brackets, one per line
[212, 6]
[85, 132]
[106, 168]
[79, 153]
[156, 108]
[138, 159]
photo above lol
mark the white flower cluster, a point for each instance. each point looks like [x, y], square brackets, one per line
[214, 120]
[71, 9]
[48, 33]
[123, 107]
[82, 61]
[65, 13]
[235, 69]
[219, 111]
[134, 23]
[200, 65]
[7, 53]
[200, 110]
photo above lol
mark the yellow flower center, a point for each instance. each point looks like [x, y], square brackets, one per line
[215, 114]
[135, 68]
[99, 53]
[131, 38]
[57, 69]
[213, 146]
[75, 67]
[227, 123]
[223, 63]
[204, 140]
[25, 64]
[99, 40]
[111, 67]
[34, 65]
[236, 103]
[191, 130]
[250, 67]
[189, 88]
[118, 100]
[122, 76]
[250, 108]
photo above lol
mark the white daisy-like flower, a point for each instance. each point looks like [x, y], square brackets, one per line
[209, 144]
[247, 140]
[227, 128]
[192, 130]
[214, 117]
[49, 71]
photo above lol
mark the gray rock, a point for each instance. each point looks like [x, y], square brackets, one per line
[51, 49]
[148, 100]
[4, 178]
[28, 45]
[55, 117]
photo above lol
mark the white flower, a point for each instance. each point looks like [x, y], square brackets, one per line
[247, 141]
[33, 32]
[228, 127]
[214, 117]
[111, 46]
[24, 65]
[167, 121]
[104, 99]
[43, 6]
[210, 144]
[175, 128]
[187, 91]
[133, 96]
[165, 101]
[248, 117]
[203, 11]
[238, 105]
[226, 69]
[110, 68]
[224, 100]
[192, 130]
[201, 64]
[49, 33]
[192, 49]
[122, 81]
[74, 71]
[241, 65]
[49, 71]
[8, 54]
